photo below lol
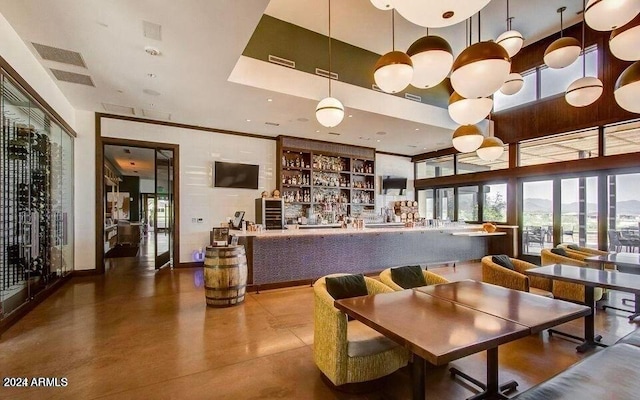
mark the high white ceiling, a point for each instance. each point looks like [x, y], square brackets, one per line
[202, 42]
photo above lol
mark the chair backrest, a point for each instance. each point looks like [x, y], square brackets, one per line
[614, 239]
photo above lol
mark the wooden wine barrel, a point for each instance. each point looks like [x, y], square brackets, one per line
[225, 275]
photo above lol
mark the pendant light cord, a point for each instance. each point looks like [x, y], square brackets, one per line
[329, 48]
[393, 30]
[508, 20]
[561, 27]
[584, 58]
[479, 27]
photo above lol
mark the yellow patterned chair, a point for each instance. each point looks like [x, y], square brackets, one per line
[580, 249]
[430, 277]
[566, 290]
[349, 351]
[515, 279]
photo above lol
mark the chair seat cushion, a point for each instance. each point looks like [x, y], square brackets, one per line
[573, 247]
[363, 341]
[344, 287]
[408, 277]
[633, 338]
[503, 261]
[559, 251]
[540, 292]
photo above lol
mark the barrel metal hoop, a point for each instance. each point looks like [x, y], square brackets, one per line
[225, 298]
[224, 289]
[223, 266]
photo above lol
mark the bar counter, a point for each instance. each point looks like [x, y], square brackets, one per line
[279, 258]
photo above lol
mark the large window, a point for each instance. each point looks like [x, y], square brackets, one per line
[468, 203]
[469, 162]
[579, 211]
[434, 167]
[622, 138]
[445, 204]
[425, 203]
[554, 81]
[495, 203]
[624, 212]
[537, 216]
[526, 94]
[564, 147]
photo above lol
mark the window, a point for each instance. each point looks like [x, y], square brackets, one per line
[537, 216]
[554, 81]
[425, 203]
[579, 211]
[495, 203]
[444, 204]
[624, 212]
[470, 162]
[433, 167]
[564, 147]
[621, 139]
[468, 203]
[526, 94]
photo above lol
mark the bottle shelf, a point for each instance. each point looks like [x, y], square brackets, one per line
[295, 169]
[361, 174]
[295, 186]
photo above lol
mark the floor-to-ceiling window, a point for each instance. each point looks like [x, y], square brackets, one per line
[624, 212]
[579, 211]
[537, 216]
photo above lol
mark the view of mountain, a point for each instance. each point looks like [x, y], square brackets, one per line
[627, 207]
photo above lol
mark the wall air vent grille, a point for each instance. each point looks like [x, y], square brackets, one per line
[326, 74]
[282, 61]
[413, 97]
[72, 77]
[59, 55]
[154, 114]
[114, 108]
[334, 133]
[151, 30]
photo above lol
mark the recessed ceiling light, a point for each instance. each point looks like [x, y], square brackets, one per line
[350, 116]
[318, 131]
[151, 75]
[269, 99]
[248, 120]
[378, 140]
[424, 148]
[417, 129]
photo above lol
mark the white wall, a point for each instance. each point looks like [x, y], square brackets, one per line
[85, 191]
[198, 197]
[395, 166]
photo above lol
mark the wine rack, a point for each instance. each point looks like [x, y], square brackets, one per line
[327, 179]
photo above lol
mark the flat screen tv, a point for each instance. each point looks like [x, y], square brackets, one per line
[394, 183]
[232, 175]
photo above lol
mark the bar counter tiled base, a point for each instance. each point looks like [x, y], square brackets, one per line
[134, 334]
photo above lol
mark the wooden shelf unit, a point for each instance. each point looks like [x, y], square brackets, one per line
[346, 171]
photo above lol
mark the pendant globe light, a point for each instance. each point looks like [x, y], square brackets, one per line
[583, 91]
[393, 71]
[329, 111]
[469, 111]
[383, 4]
[564, 51]
[438, 13]
[513, 84]
[627, 88]
[624, 41]
[492, 147]
[511, 40]
[467, 138]
[432, 59]
[606, 15]
[480, 69]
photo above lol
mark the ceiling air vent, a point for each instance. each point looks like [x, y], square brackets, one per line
[154, 114]
[151, 30]
[413, 97]
[376, 87]
[334, 133]
[114, 108]
[282, 61]
[72, 77]
[59, 55]
[272, 123]
[326, 74]
[410, 145]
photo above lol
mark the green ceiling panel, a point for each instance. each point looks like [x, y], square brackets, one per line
[310, 50]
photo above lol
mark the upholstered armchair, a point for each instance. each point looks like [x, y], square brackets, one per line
[430, 277]
[516, 278]
[580, 249]
[566, 290]
[349, 351]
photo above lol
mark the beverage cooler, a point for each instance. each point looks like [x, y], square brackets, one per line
[270, 213]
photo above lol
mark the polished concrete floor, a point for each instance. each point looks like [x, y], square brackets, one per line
[135, 333]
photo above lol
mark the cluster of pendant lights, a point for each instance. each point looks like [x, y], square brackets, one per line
[485, 67]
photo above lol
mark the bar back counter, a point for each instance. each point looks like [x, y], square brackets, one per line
[293, 257]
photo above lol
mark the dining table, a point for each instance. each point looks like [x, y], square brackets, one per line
[442, 323]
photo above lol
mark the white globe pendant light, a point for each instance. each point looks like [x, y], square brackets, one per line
[625, 41]
[513, 84]
[469, 111]
[393, 71]
[329, 111]
[432, 59]
[586, 90]
[382, 4]
[606, 15]
[627, 88]
[564, 51]
[438, 13]
[467, 138]
[511, 40]
[491, 149]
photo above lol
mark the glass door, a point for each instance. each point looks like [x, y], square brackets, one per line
[579, 211]
[537, 216]
[163, 208]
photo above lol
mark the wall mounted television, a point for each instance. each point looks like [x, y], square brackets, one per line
[389, 182]
[232, 175]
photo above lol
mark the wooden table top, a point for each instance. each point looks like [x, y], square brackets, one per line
[590, 277]
[534, 311]
[624, 259]
[438, 330]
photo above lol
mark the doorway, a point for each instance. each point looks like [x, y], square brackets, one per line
[138, 204]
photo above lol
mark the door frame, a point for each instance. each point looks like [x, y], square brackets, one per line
[100, 193]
